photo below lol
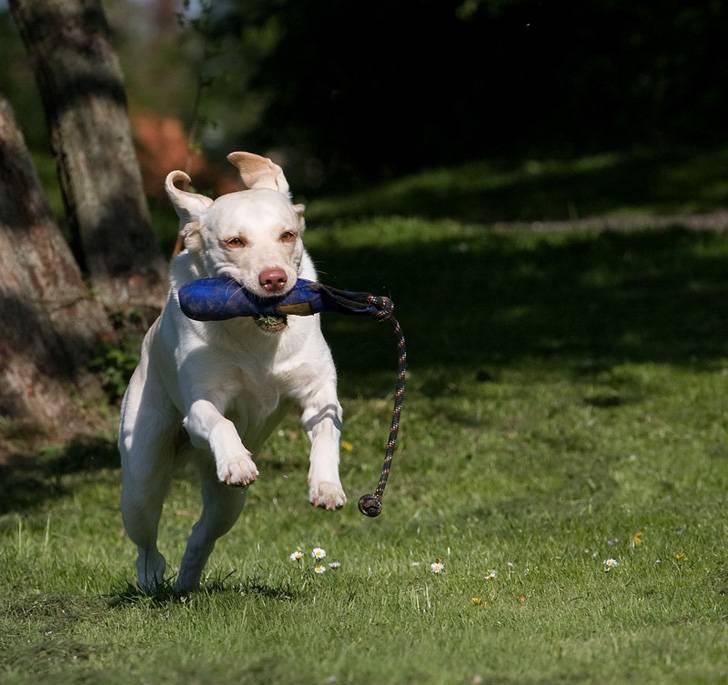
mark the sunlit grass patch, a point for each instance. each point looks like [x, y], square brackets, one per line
[556, 511]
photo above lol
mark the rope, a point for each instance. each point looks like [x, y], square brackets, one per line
[371, 505]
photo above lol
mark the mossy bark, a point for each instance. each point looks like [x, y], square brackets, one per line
[51, 325]
[80, 82]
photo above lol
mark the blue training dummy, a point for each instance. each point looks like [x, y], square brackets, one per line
[219, 299]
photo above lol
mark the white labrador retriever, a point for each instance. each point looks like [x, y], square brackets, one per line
[226, 382]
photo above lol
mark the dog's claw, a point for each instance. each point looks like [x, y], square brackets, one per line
[238, 473]
[327, 495]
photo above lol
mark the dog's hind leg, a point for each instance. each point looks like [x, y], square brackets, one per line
[221, 507]
[149, 426]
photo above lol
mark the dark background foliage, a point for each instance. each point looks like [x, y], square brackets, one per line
[351, 91]
[378, 88]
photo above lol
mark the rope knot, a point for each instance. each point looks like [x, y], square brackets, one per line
[384, 305]
[370, 505]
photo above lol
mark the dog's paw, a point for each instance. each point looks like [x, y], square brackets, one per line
[150, 571]
[327, 495]
[237, 472]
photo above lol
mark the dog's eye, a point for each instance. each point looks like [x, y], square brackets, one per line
[235, 242]
[288, 237]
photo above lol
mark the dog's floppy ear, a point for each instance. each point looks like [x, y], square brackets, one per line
[189, 207]
[259, 172]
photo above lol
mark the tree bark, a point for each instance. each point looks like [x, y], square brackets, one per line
[51, 325]
[80, 82]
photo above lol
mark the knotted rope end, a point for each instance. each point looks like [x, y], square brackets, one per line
[370, 505]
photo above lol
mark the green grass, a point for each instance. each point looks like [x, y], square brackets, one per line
[567, 391]
[616, 184]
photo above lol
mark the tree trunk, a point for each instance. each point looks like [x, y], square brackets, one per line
[80, 82]
[51, 325]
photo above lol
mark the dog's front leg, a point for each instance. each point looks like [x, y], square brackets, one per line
[322, 422]
[208, 428]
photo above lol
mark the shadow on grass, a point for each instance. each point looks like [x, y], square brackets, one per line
[29, 480]
[583, 301]
[550, 189]
[165, 593]
[133, 595]
[475, 302]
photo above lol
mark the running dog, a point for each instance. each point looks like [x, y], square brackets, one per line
[226, 383]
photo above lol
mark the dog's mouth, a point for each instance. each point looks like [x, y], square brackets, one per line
[271, 323]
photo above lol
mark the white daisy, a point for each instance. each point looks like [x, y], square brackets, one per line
[437, 567]
[318, 553]
[492, 574]
[609, 564]
[335, 564]
[296, 556]
[319, 568]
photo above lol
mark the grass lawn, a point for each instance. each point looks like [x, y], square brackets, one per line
[567, 405]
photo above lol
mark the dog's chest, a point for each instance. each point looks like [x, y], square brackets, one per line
[256, 407]
[262, 378]
[256, 394]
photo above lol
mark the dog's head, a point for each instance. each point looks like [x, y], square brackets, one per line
[252, 236]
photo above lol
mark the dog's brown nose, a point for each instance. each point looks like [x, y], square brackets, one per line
[273, 280]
